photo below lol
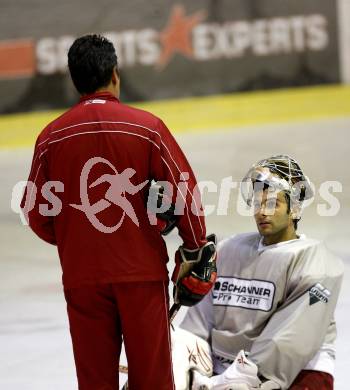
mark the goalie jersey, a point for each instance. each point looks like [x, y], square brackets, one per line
[275, 302]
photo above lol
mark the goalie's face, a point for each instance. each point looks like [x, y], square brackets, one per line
[272, 216]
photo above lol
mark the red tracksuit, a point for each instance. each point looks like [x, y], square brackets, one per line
[115, 282]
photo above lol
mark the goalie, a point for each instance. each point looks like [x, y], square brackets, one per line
[269, 321]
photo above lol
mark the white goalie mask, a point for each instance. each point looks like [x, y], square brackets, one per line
[278, 173]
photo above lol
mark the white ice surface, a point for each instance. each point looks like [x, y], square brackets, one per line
[35, 346]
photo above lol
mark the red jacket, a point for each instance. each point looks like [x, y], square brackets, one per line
[118, 137]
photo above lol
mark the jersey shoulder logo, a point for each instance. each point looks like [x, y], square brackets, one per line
[318, 293]
[253, 294]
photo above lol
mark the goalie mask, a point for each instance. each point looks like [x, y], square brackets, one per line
[278, 173]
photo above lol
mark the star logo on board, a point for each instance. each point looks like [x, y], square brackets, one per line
[176, 36]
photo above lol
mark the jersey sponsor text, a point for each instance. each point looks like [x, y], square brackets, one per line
[247, 293]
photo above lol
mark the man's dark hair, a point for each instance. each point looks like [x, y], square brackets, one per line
[91, 60]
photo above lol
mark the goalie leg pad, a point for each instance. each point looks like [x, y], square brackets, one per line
[189, 352]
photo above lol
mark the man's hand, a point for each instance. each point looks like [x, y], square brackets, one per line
[160, 210]
[195, 272]
[201, 382]
[242, 374]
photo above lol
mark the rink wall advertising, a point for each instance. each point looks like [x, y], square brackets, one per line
[168, 50]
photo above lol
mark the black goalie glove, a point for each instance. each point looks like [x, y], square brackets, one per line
[195, 272]
[159, 206]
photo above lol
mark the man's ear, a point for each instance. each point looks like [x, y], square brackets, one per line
[115, 76]
[295, 211]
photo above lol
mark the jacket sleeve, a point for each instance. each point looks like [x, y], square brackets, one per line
[199, 319]
[41, 225]
[297, 330]
[169, 164]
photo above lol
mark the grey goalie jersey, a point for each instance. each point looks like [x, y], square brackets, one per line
[276, 302]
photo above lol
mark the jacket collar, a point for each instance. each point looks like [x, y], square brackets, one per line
[99, 95]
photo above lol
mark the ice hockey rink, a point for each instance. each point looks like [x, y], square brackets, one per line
[35, 346]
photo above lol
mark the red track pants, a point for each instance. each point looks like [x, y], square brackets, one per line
[99, 315]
